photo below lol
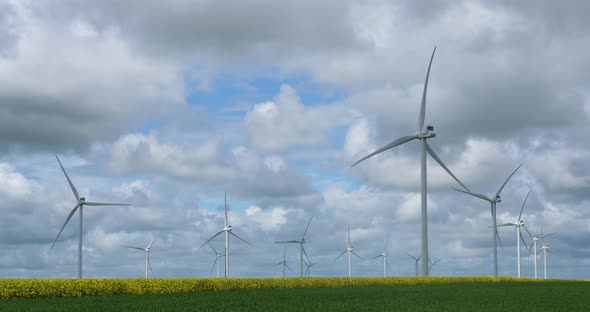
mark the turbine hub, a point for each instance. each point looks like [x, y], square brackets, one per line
[429, 133]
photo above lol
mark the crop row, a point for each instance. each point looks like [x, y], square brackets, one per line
[44, 288]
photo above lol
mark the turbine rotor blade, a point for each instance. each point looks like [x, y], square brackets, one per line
[354, 253]
[527, 230]
[393, 144]
[288, 267]
[412, 256]
[153, 240]
[276, 264]
[388, 266]
[422, 115]
[473, 194]
[510, 176]
[134, 248]
[307, 227]
[523, 203]
[505, 224]
[379, 256]
[65, 223]
[305, 253]
[210, 239]
[442, 164]
[499, 241]
[243, 240]
[340, 255]
[545, 235]
[215, 251]
[69, 181]
[289, 242]
[523, 241]
[348, 235]
[103, 204]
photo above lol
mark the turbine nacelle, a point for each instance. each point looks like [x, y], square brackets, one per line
[429, 133]
[82, 199]
[496, 199]
[228, 228]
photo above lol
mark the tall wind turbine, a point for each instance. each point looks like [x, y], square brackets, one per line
[385, 254]
[534, 245]
[423, 133]
[301, 242]
[416, 260]
[284, 263]
[308, 266]
[147, 254]
[80, 203]
[350, 251]
[493, 201]
[227, 229]
[518, 224]
[544, 249]
[217, 261]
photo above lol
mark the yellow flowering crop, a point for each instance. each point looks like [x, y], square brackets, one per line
[33, 288]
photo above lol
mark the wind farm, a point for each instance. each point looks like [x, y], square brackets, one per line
[294, 156]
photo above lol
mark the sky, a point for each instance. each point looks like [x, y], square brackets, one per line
[167, 107]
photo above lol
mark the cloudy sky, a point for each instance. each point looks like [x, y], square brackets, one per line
[166, 107]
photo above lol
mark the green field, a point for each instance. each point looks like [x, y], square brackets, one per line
[499, 296]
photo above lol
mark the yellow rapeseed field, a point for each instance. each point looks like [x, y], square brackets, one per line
[33, 288]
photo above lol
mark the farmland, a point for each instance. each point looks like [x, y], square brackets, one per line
[394, 294]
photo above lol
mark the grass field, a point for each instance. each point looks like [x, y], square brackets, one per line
[499, 296]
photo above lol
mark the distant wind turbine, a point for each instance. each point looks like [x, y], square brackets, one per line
[544, 249]
[350, 251]
[384, 255]
[284, 263]
[227, 229]
[493, 201]
[416, 260]
[518, 224]
[308, 266]
[217, 261]
[80, 203]
[432, 263]
[147, 254]
[301, 242]
[534, 245]
[423, 133]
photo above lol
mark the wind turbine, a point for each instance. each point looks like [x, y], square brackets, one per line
[518, 224]
[308, 266]
[227, 229]
[385, 254]
[493, 201]
[80, 203]
[217, 261]
[416, 260]
[350, 251]
[301, 242]
[284, 263]
[534, 245]
[423, 133]
[545, 249]
[432, 263]
[147, 254]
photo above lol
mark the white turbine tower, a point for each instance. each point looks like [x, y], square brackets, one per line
[493, 201]
[385, 254]
[518, 224]
[534, 245]
[284, 263]
[544, 249]
[416, 260]
[301, 242]
[217, 261]
[227, 229]
[80, 203]
[147, 254]
[350, 251]
[423, 133]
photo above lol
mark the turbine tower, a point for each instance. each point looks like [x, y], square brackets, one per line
[147, 254]
[301, 242]
[534, 245]
[385, 254]
[423, 133]
[80, 203]
[217, 261]
[545, 249]
[284, 263]
[227, 229]
[493, 201]
[518, 224]
[350, 251]
[416, 260]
